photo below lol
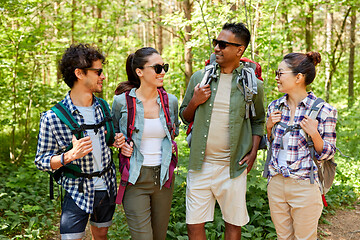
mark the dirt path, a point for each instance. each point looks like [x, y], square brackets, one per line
[345, 225]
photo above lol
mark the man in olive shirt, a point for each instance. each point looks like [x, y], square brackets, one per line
[224, 141]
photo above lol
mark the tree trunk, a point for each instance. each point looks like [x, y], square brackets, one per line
[329, 23]
[153, 27]
[308, 27]
[352, 58]
[187, 6]
[160, 29]
[334, 61]
[287, 28]
[73, 21]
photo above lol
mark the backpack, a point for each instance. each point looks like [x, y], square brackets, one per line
[326, 169]
[246, 83]
[124, 162]
[71, 170]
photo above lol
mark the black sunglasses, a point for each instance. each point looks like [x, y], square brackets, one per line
[278, 73]
[223, 44]
[99, 70]
[158, 67]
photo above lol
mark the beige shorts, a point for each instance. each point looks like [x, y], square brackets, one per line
[212, 183]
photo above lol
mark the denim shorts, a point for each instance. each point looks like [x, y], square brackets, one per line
[74, 220]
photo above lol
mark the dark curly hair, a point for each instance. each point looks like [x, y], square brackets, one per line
[240, 31]
[78, 56]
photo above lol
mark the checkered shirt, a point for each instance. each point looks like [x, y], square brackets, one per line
[55, 136]
[299, 160]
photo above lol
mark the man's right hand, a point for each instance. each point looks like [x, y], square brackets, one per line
[201, 94]
[80, 148]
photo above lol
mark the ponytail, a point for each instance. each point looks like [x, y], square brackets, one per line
[134, 61]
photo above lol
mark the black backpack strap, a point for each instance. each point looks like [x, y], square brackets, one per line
[110, 130]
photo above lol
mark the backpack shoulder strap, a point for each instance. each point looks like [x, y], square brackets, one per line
[110, 130]
[164, 98]
[247, 84]
[313, 113]
[66, 117]
[131, 108]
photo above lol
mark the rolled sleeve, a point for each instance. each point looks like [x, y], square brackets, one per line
[329, 136]
[47, 145]
[257, 122]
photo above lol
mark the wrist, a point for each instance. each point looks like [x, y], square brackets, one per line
[62, 159]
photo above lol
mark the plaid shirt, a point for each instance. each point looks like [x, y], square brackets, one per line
[298, 155]
[55, 136]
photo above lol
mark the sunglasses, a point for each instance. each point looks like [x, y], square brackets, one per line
[158, 67]
[223, 44]
[278, 73]
[98, 70]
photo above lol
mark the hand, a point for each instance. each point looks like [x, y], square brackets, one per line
[309, 125]
[274, 118]
[249, 159]
[201, 94]
[80, 148]
[119, 140]
[127, 149]
[173, 148]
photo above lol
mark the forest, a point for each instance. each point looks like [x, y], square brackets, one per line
[35, 33]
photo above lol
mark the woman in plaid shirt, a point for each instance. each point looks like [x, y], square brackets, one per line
[295, 203]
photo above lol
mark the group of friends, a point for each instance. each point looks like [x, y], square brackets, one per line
[224, 144]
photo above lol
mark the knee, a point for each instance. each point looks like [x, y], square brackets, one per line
[99, 233]
[196, 231]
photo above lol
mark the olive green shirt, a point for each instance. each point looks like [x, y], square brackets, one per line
[241, 129]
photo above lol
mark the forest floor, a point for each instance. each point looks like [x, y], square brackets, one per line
[344, 225]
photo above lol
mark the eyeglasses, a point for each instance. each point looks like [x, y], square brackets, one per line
[98, 70]
[278, 73]
[223, 44]
[158, 67]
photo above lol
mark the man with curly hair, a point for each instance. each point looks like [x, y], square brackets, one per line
[92, 194]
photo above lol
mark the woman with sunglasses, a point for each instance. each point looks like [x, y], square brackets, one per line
[146, 201]
[295, 203]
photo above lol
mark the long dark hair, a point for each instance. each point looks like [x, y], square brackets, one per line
[134, 61]
[303, 63]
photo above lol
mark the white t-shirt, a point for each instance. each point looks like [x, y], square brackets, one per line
[89, 116]
[218, 141]
[151, 141]
[282, 157]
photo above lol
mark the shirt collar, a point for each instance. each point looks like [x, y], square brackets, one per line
[72, 108]
[306, 102]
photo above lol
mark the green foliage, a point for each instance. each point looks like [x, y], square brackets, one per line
[26, 211]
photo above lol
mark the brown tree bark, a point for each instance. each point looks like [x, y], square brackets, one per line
[187, 7]
[309, 20]
[352, 58]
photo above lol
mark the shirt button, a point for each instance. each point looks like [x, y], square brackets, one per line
[214, 89]
[207, 120]
[210, 104]
[204, 136]
[202, 153]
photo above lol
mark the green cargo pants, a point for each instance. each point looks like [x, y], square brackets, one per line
[147, 208]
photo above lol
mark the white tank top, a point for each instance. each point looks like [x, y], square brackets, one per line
[151, 140]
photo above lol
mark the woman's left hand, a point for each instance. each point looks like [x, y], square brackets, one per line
[309, 125]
